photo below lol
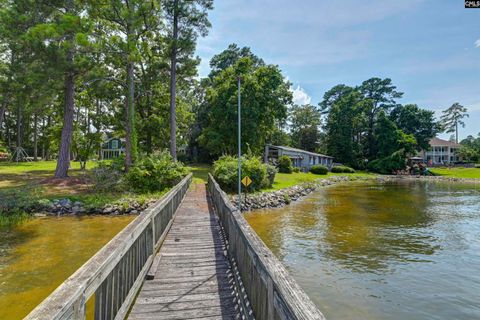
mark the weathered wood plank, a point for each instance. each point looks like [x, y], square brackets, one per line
[193, 278]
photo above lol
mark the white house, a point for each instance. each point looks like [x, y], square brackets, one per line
[300, 158]
[441, 152]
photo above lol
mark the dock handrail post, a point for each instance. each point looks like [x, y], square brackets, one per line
[239, 145]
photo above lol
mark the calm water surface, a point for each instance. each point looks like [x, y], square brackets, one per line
[401, 250]
[38, 255]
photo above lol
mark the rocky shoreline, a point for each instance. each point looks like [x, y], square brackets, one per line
[280, 198]
[61, 207]
[435, 179]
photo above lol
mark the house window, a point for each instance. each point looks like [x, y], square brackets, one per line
[114, 144]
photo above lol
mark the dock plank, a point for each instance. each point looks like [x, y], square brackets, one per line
[192, 277]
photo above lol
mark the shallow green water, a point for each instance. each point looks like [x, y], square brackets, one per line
[401, 250]
[38, 255]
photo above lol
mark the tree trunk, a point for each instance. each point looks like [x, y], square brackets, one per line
[173, 86]
[19, 125]
[456, 131]
[35, 140]
[130, 140]
[63, 161]
[3, 108]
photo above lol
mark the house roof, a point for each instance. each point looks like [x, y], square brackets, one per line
[300, 151]
[444, 143]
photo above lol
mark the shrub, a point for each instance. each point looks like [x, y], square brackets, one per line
[388, 165]
[296, 169]
[225, 171]
[342, 169]
[4, 154]
[285, 164]
[271, 172]
[319, 169]
[155, 173]
[107, 176]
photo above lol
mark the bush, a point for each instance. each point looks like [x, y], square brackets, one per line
[271, 172]
[319, 169]
[107, 176]
[225, 171]
[285, 164]
[155, 173]
[296, 169]
[342, 169]
[388, 165]
[4, 154]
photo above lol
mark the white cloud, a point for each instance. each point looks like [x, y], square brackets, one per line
[300, 97]
[477, 43]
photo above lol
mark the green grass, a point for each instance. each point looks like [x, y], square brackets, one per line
[285, 180]
[200, 172]
[21, 184]
[466, 173]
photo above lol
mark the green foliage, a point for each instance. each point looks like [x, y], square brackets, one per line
[304, 126]
[390, 139]
[107, 176]
[388, 165]
[155, 173]
[225, 171]
[265, 96]
[285, 165]
[342, 169]
[230, 56]
[469, 154]
[296, 169]
[271, 172]
[418, 122]
[344, 123]
[453, 117]
[471, 148]
[319, 169]
[4, 154]
[286, 198]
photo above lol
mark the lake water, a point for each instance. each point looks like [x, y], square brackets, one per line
[39, 254]
[399, 250]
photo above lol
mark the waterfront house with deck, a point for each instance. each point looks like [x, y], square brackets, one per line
[441, 152]
[300, 158]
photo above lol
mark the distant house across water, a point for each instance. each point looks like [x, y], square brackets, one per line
[441, 152]
[112, 148]
[300, 158]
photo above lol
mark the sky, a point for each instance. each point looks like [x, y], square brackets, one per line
[429, 48]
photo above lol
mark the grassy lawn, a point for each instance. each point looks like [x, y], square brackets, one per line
[472, 173]
[285, 180]
[26, 181]
[14, 174]
[200, 172]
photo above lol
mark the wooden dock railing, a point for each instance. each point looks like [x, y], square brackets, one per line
[117, 271]
[271, 292]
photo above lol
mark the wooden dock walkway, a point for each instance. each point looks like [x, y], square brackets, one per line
[201, 270]
[192, 277]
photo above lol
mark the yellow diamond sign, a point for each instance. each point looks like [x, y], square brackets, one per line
[246, 181]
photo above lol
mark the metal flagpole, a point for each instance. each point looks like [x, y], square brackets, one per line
[239, 148]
